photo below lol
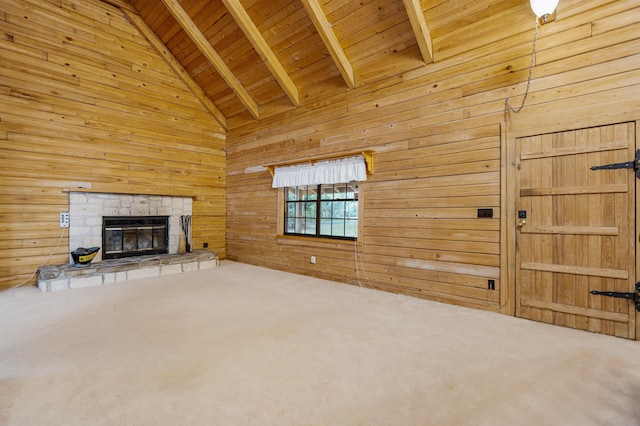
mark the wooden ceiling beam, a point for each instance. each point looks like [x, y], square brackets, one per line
[209, 52]
[262, 48]
[174, 64]
[330, 40]
[420, 29]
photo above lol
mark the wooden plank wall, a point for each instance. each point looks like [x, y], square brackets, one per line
[441, 142]
[85, 101]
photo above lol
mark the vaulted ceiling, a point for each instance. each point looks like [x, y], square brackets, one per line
[254, 58]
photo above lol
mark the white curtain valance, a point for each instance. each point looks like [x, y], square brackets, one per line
[322, 172]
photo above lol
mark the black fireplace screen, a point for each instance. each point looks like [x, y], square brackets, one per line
[124, 236]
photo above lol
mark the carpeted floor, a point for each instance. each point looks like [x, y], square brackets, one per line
[242, 345]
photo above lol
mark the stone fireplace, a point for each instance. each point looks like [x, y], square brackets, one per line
[89, 213]
[88, 210]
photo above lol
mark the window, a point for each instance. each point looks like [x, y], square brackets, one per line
[327, 210]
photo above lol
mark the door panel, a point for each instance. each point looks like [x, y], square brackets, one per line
[579, 233]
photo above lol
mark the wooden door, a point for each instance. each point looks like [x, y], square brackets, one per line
[579, 230]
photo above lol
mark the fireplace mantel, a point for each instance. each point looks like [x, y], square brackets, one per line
[91, 190]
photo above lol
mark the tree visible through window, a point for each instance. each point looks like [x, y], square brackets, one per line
[328, 210]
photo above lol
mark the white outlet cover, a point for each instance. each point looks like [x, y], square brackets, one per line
[64, 219]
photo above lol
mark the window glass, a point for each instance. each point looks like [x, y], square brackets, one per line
[332, 215]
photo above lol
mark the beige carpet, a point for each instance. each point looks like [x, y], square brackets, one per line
[242, 345]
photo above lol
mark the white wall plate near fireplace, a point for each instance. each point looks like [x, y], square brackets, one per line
[64, 219]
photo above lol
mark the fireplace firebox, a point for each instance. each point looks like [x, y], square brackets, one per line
[125, 236]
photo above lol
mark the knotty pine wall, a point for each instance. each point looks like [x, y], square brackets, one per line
[441, 139]
[85, 101]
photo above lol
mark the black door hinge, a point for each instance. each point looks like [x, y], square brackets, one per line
[635, 165]
[634, 297]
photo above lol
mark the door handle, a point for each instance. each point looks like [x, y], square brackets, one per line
[521, 223]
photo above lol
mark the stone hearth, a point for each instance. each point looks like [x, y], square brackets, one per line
[54, 278]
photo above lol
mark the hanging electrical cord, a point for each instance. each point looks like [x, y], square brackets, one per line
[45, 262]
[507, 106]
[357, 254]
[355, 259]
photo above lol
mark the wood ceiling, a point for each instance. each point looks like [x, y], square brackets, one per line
[255, 58]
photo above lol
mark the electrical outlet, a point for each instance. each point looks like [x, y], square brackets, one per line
[205, 245]
[64, 219]
[313, 260]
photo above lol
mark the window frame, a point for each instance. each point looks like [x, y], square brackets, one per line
[321, 201]
[321, 240]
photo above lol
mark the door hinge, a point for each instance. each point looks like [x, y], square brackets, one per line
[635, 165]
[634, 297]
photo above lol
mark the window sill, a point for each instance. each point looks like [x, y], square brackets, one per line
[295, 240]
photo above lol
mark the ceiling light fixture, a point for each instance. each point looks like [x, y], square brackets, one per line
[544, 9]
